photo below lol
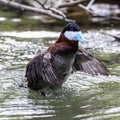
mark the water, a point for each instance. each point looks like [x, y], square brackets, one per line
[82, 97]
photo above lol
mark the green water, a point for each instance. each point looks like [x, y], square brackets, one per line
[82, 97]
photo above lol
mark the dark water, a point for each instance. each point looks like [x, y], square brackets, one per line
[82, 97]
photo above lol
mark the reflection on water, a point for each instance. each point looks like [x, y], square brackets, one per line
[31, 34]
[82, 96]
[2, 18]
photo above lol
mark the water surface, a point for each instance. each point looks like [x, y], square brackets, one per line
[82, 97]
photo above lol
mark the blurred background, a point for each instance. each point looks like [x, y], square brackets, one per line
[31, 14]
[28, 27]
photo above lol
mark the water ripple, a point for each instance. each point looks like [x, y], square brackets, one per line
[82, 96]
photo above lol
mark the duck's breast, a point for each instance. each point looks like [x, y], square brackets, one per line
[63, 65]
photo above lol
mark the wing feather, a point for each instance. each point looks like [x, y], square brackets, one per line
[85, 62]
[40, 72]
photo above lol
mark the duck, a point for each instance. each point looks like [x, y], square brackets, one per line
[50, 69]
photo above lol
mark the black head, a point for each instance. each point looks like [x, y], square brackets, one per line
[71, 26]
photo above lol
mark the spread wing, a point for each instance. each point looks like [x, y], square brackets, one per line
[87, 63]
[40, 73]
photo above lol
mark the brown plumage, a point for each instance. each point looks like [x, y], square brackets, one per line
[87, 63]
[51, 68]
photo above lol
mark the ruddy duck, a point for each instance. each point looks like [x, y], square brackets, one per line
[52, 67]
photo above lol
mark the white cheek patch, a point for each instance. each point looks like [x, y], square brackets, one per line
[70, 35]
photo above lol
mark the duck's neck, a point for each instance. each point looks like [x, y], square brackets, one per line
[64, 46]
[72, 43]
